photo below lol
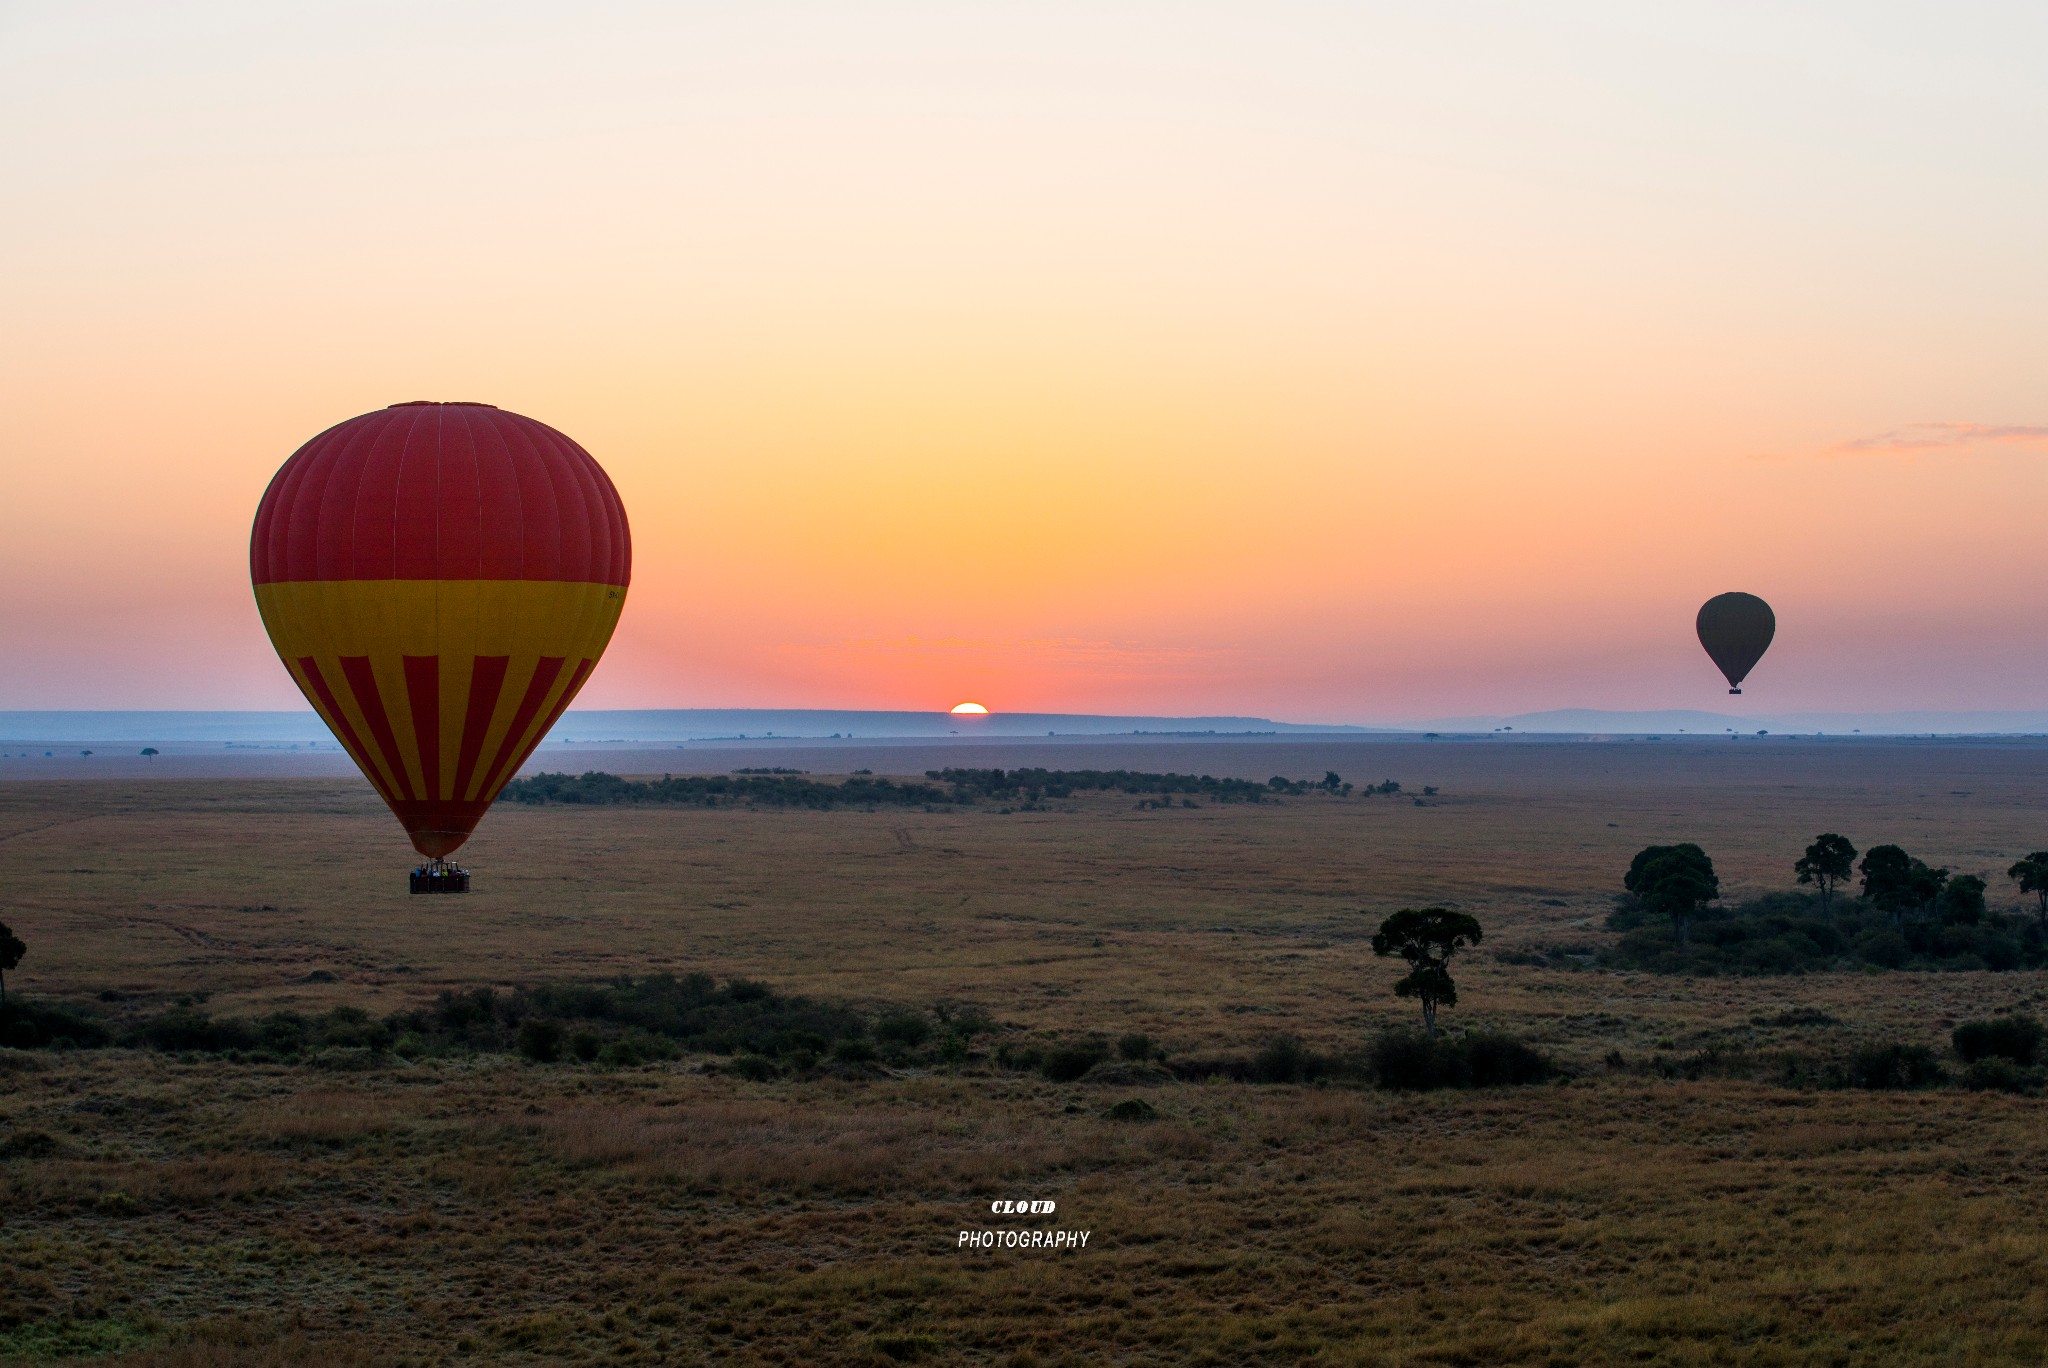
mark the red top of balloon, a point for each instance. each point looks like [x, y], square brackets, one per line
[433, 491]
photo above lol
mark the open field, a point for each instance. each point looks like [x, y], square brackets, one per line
[487, 1209]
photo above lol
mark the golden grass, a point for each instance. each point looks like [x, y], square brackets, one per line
[204, 1212]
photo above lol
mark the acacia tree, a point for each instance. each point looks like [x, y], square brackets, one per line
[1427, 939]
[1828, 861]
[1898, 883]
[1675, 881]
[2032, 874]
[11, 951]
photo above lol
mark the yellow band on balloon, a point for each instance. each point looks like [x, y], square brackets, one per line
[440, 688]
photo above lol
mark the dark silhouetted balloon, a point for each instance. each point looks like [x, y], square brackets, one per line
[1736, 629]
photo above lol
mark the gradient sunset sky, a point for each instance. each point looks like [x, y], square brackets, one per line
[1336, 362]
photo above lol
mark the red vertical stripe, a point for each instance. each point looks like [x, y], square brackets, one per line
[423, 691]
[547, 724]
[338, 720]
[362, 682]
[486, 682]
[529, 707]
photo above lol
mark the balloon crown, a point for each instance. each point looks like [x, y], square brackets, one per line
[441, 403]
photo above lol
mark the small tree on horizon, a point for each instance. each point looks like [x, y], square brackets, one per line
[1427, 939]
[2032, 875]
[11, 951]
[1828, 861]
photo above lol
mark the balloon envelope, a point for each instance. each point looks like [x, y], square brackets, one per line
[1736, 629]
[440, 580]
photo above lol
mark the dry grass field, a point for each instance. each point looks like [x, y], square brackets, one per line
[195, 1210]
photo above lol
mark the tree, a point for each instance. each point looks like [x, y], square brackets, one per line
[1427, 939]
[1896, 882]
[1828, 861]
[2032, 874]
[1675, 881]
[1962, 900]
[149, 751]
[11, 951]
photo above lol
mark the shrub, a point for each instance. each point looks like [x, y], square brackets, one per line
[854, 1052]
[586, 1045]
[540, 1040]
[29, 1144]
[1894, 1067]
[29, 1025]
[1994, 1073]
[1500, 1060]
[1284, 1059]
[908, 1029]
[754, 1068]
[1133, 1109]
[1066, 1063]
[1134, 1046]
[1409, 1061]
[2016, 1039]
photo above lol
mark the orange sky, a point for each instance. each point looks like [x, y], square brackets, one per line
[1325, 363]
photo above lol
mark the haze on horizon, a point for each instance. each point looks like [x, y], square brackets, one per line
[1325, 363]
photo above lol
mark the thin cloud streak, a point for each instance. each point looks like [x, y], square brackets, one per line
[1938, 437]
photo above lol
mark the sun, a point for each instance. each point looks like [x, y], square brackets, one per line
[969, 710]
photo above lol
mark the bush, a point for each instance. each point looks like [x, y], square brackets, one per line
[754, 1068]
[1284, 1059]
[540, 1040]
[1409, 1061]
[1066, 1063]
[1994, 1073]
[1134, 1046]
[908, 1029]
[586, 1045]
[854, 1052]
[2016, 1039]
[1895, 1067]
[29, 1025]
[1500, 1060]
[1133, 1109]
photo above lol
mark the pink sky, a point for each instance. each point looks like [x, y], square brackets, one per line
[1315, 362]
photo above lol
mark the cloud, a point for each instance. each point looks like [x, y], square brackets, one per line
[1934, 438]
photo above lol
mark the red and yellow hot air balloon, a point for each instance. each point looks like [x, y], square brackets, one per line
[440, 580]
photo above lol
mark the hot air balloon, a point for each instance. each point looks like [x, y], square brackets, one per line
[1736, 629]
[440, 580]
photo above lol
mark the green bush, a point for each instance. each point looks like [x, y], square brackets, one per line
[1895, 1067]
[1994, 1073]
[540, 1040]
[1134, 1046]
[908, 1029]
[1284, 1059]
[755, 1068]
[1409, 1061]
[2016, 1039]
[1066, 1063]
[26, 1024]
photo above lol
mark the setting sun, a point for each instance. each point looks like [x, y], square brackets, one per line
[969, 710]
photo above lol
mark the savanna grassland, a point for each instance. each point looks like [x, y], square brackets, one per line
[195, 1208]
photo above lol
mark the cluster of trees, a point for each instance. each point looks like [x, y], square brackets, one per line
[723, 790]
[786, 788]
[1906, 914]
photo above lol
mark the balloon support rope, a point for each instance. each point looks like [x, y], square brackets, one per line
[440, 876]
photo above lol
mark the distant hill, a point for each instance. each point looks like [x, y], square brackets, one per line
[1670, 722]
[303, 731]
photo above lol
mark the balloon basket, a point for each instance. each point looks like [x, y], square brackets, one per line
[440, 876]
